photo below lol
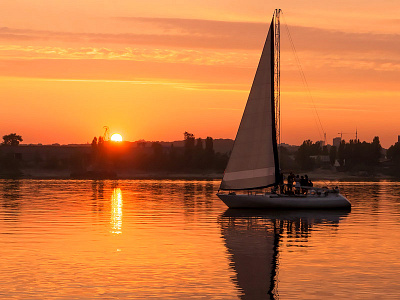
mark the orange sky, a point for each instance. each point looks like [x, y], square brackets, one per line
[154, 69]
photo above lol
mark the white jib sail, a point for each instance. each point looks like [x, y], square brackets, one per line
[253, 160]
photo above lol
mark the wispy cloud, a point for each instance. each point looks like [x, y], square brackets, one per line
[324, 40]
[355, 61]
[201, 27]
[199, 57]
[159, 37]
[159, 82]
[157, 43]
[224, 108]
[211, 34]
[307, 38]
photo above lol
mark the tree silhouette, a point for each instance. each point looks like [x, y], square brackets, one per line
[376, 150]
[393, 153]
[199, 144]
[209, 146]
[357, 156]
[189, 142]
[157, 158]
[94, 142]
[332, 155]
[11, 139]
[307, 149]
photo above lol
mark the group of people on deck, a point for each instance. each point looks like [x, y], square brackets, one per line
[300, 183]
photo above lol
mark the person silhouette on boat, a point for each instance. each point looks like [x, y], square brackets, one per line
[281, 183]
[308, 181]
[298, 184]
[303, 185]
[290, 181]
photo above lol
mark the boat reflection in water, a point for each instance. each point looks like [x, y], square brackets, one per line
[254, 240]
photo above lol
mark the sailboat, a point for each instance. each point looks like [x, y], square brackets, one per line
[254, 161]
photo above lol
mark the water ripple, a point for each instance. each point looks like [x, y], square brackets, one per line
[168, 239]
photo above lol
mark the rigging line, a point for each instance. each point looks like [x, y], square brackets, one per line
[304, 80]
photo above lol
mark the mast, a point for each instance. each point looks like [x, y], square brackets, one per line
[277, 74]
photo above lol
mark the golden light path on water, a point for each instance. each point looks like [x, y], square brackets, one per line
[116, 211]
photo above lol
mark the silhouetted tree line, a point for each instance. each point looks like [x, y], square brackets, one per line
[351, 156]
[10, 165]
[357, 156]
[393, 154]
[11, 139]
[13, 162]
[196, 155]
[303, 156]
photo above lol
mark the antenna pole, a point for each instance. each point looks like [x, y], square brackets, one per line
[277, 75]
[106, 135]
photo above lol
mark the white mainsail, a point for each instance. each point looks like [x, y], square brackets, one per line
[254, 159]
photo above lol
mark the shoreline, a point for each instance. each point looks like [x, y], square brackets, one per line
[66, 175]
[316, 175]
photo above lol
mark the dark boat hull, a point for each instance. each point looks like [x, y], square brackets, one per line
[274, 201]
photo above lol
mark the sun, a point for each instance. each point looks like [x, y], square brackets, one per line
[116, 137]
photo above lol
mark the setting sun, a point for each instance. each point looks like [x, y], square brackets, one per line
[116, 137]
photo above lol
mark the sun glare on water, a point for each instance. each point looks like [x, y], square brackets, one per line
[116, 137]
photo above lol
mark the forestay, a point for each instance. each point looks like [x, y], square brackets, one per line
[254, 159]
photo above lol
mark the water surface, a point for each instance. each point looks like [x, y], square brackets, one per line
[169, 239]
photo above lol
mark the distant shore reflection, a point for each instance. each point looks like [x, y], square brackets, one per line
[11, 199]
[116, 211]
[254, 241]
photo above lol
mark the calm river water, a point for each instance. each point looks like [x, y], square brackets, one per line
[169, 239]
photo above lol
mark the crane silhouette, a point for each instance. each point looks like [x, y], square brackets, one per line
[341, 134]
